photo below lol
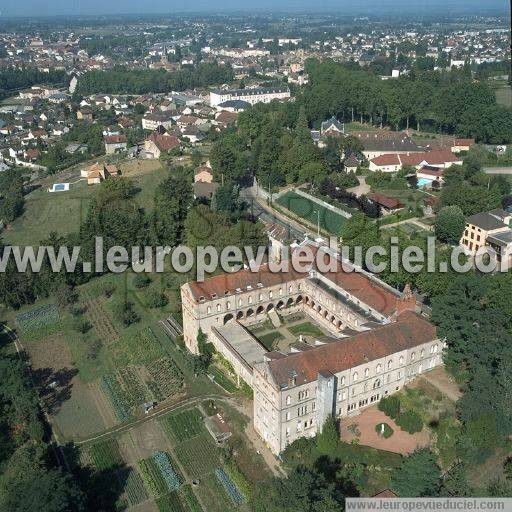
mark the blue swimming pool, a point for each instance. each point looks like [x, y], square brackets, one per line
[424, 182]
[59, 186]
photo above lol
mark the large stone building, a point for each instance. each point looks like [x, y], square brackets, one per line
[376, 342]
[252, 96]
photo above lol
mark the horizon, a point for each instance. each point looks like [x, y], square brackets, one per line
[181, 7]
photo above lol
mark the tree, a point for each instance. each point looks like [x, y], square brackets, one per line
[455, 482]
[410, 421]
[390, 406]
[450, 222]
[418, 475]
[328, 439]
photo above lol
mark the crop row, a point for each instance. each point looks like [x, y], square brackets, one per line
[230, 487]
[167, 377]
[105, 455]
[152, 477]
[184, 425]
[134, 488]
[110, 386]
[168, 473]
[38, 322]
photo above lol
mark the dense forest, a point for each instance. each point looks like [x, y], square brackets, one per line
[12, 80]
[449, 102]
[124, 81]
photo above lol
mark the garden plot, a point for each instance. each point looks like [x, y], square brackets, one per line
[96, 314]
[199, 456]
[105, 455]
[39, 322]
[183, 426]
[134, 488]
[160, 474]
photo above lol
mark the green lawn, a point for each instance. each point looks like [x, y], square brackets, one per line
[307, 209]
[270, 339]
[306, 328]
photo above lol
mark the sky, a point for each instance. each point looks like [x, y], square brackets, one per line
[91, 7]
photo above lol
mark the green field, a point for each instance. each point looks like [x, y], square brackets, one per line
[184, 425]
[307, 209]
[306, 328]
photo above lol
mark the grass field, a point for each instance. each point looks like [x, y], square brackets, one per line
[305, 208]
[306, 328]
[63, 212]
[184, 425]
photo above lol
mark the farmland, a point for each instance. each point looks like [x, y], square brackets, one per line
[39, 322]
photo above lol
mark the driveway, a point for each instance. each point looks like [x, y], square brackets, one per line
[361, 189]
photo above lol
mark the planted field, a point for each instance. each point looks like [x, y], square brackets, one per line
[167, 378]
[189, 498]
[39, 322]
[96, 314]
[232, 490]
[152, 477]
[184, 425]
[142, 347]
[220, 378]
[199, 456]
[134, 488]
[307, 209]
[113, 391]
[169, 473]
[170, 503]
[105, 455]
[133, 387]
[212, 492]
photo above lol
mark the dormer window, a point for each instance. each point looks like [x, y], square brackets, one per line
[260, 285]
[238, 290]
[249, 287]
[201, 299]
[226, 293]
[214, 295]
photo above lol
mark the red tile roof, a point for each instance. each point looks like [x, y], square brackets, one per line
[409, 331]
[355, 283]
[164, 142]
[387, 159]
[436, 157]
[115, 139]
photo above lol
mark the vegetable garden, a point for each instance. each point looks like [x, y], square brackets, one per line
[39, 322]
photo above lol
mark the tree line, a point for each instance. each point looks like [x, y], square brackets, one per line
[124, 81]
[12, 79]
[449, 102]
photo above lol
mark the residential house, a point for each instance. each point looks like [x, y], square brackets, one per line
[152, 120]
[157, 143]
[489, 229]
[383, 142]
[115, 144]
[460, 145]
[84, 114]
[393, 162]
[351, 164]
[225, 118]
[97, 173]
[332, 128]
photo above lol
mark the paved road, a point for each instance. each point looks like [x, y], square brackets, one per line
[498, 170]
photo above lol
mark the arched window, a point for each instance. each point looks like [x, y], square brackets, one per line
[288, 416]
[390, 364]
[260, 297]
[435, 349]
[342, 381]
[228, 305]
[413, 356]
[366, 372]
[422, 352]
[401, 360]
[288, 400]
[355, 377]
[376, 384]
[379, 368]
[208, 310]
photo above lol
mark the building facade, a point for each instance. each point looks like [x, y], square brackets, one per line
[252, 96]
[377, 343]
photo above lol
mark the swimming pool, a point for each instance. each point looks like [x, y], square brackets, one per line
[424, 182]
[59, 187]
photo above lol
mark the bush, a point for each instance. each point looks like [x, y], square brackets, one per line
[125, 313]
[390, 406]
[108, 289]
[141, 281]
[388, 431]
[410, 421]
[156, 300]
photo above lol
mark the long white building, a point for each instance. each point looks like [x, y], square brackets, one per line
[252, 96]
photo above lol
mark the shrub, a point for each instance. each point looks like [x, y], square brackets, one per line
[390, 406]
[156, 300]
[141, 281]
[388, 431]
[410, 421]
